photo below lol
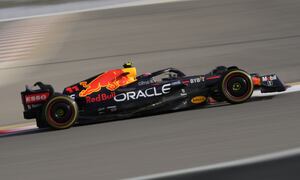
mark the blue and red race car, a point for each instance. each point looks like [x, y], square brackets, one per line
[120, 93]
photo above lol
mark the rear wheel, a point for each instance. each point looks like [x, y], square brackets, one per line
[41, 122]
[60, 112]
[237, 86]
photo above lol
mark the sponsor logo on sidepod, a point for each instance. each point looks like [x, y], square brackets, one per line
[100, 98]
[111, 80]
[150, 92]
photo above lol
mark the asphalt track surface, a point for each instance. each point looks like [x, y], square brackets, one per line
[261, 36]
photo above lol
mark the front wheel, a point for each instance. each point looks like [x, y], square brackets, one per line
[237, 86]
[60, 112]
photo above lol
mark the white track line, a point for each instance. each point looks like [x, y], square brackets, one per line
[251, 160]
[292, 88]
[99, 7]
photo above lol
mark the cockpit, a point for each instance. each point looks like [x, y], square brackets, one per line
[162, 75]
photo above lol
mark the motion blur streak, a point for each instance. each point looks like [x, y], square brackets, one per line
[16, 128]
[17, 43]
[32, 11]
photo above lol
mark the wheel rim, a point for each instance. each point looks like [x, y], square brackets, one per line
[61, 112]
[237, 86]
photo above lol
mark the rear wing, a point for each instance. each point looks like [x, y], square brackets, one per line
[33, 100]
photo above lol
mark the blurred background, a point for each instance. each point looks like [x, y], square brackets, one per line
[194, 36]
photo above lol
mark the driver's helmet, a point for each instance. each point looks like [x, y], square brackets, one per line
[173, 75]
[169, 76]
[128, 65]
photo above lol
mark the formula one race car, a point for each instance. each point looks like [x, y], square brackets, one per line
[120, 93]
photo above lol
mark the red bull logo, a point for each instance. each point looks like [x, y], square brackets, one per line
[111, 80]
[99, 98]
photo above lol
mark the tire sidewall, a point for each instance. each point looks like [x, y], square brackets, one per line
[41, 121]
[51, 122]
[230, 98]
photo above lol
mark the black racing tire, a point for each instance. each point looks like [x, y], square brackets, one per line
[60, 112]
[41, 122]
[236, 86]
